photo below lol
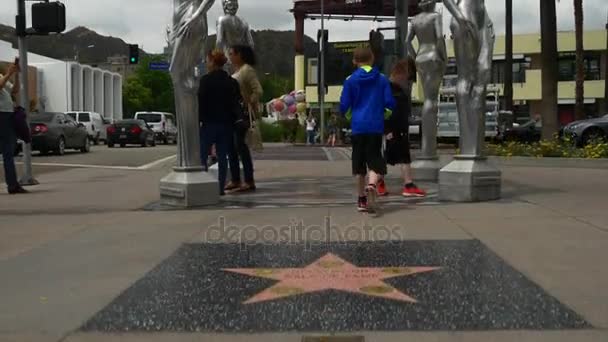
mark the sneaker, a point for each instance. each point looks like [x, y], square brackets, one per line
[362, 205]
[382, 192]
[372, 193]
[411, 190]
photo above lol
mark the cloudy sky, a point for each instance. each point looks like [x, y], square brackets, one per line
[144, 21]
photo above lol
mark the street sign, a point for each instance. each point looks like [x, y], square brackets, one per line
[159, 66]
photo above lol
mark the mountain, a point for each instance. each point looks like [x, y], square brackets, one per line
[67, 45]
[275, 50]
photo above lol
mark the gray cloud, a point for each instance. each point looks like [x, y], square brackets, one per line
[144, 21]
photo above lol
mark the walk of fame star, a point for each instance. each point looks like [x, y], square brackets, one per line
[331, 273]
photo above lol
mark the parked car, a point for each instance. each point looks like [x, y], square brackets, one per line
[57, 132]
[131, 132]
[93, 123]
[163, 125]
[448, 127]
[584, 132]
[528, 132]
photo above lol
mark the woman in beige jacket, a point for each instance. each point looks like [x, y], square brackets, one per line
[243, 59]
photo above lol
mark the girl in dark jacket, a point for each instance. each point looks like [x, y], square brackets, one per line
[397, 129]
[219, 103]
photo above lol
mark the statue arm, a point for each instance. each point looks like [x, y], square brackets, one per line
[203, 9]
[409, 39]
[440, 39]
[454, 10]
[220, 41]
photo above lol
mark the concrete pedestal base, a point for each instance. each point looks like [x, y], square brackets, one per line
[426, 169]
[469, 179]
[188, 188]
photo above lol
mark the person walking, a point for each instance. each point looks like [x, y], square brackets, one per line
[311, 125]
[333, 130]
[8, 135]
[397, 130]
[242, 58]
[366, 99]
[219, 107]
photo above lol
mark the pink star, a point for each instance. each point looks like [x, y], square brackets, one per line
[331, 272]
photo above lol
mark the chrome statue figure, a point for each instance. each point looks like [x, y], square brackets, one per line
[232, 29]
[188, 37]
[474, 37]
[431, 60]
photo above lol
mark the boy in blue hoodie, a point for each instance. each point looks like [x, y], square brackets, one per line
[366, 99]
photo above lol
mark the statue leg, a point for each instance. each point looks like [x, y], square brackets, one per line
[188, 128]
[431, 82]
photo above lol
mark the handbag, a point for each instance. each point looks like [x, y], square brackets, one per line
[22, 129]
[253, 137]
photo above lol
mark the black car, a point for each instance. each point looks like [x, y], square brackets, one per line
[57, 132]
[584, 132]
[529, 132]
[130, 132]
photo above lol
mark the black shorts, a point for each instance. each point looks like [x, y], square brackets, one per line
[367, 154]
[398, 150]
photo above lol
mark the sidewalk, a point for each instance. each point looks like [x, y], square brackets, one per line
[80, 242]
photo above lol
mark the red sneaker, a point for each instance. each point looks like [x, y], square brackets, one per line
[413, 191]
[381, 190]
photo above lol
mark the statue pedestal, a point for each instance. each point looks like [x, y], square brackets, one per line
[469, 179]
[189, 188]
[426, 169]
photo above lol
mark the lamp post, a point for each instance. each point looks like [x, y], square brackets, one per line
[24, 98]
[322, 66]
[606, 71]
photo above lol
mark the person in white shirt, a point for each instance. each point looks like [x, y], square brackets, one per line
[8, 136]
[311, 124]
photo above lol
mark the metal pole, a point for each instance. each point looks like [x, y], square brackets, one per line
[606, 71]
[27, 177]
[322, 65]
[406, 16]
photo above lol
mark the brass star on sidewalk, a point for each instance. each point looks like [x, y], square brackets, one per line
[331, 273]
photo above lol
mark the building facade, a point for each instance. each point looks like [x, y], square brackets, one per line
[63, 86]
[527, 87]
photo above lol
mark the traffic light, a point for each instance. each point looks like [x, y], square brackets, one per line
[48, 17]
[133, 54]
[323, 41]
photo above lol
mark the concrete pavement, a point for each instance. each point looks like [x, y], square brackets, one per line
[80, 239]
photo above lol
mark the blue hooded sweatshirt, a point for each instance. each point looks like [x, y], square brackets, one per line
[367, 96]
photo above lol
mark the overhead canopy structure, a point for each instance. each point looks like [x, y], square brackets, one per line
[346, 10]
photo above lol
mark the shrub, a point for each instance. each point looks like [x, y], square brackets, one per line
[556, 148]
[271, 132]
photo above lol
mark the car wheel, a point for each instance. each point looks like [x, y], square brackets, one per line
[60, 150]
[123, 145]
[44, 152]
[593, 134]
[166, 141]
[144, 143]
[87, 146]
[110, 144]
[153, 143]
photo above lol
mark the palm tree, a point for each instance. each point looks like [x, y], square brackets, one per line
[548, 23]
[508, 92]
[579, 112]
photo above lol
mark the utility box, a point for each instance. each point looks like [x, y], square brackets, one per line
[48, 17]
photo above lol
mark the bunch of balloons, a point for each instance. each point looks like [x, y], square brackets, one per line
[288, 105]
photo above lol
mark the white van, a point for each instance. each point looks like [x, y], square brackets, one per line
[163, 125]
[94, 124]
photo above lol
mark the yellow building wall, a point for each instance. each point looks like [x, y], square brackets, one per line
[525, 44]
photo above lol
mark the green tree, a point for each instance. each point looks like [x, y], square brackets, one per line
[148, 90]
[135, 96]
[275, 86]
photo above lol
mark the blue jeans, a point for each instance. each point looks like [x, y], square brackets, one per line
[221, 136]
[8, 141]
[311, 137]
[240, 149]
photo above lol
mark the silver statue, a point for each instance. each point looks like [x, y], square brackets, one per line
[431, 60]
[188, 38]
[232, 29]
[474, 38]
